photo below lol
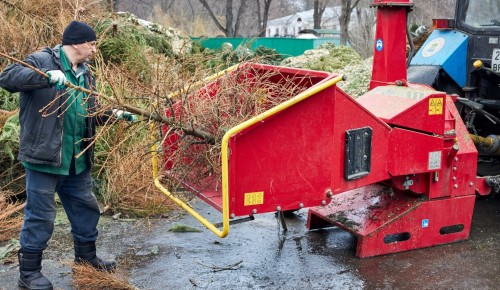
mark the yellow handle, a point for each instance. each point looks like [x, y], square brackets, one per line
[259, 118]
[186, 207]
[225, 156]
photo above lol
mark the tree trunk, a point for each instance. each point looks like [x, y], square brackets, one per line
[319, 9]
[166, 4]
[262, 33]
[316, 16]
[214, 18]
[229, 18]
[345, 19]
[241, 11]
[229, 30]
[265, 16]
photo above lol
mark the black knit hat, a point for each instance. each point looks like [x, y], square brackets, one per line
[78, 32]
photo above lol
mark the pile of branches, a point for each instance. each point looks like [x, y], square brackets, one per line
[215, 108]
[26, 26]
[86, 277]
[138, 71]
[145, 76]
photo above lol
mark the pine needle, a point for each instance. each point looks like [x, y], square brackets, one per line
[86, 277]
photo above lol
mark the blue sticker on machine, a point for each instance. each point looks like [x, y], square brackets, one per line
[379, 44]
[425, 223]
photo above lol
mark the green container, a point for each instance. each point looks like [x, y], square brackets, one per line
[285, 46]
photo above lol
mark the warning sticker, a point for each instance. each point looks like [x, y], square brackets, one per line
[434, 160]
[435, 106]
[254, 198]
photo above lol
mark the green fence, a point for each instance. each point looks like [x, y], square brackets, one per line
[284, 46]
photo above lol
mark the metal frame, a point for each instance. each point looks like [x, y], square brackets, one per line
[225, 155]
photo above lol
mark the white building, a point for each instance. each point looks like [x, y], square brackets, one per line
[289, 26]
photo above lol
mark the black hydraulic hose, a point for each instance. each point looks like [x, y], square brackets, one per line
[410, 40]
[476, 107]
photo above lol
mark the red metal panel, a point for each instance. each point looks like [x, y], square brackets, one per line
[389, 57]
[349, 114]
[419, 109]
[248, 74]
[482, 187]
[379, 3]
[295, 157]
[459, 171]
[411, 152]
[388, 223]
[414, 183]
[440, 215]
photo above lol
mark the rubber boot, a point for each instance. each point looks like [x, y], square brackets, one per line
[85, 253]
[30, 265]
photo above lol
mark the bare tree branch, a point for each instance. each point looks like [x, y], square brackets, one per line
[148, 115]
[345, 19]
[212, 15]
[241, 11]
[264, 17]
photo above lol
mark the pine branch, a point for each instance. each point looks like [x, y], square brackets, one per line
[171, 122]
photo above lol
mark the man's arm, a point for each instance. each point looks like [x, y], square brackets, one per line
[17, 77]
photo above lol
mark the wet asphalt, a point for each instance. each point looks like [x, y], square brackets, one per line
[259, 255]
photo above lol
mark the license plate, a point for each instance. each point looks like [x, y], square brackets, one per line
[495, 60]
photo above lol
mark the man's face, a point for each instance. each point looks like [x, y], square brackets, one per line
[86, 51]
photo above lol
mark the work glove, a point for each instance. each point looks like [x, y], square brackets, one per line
[57, 78]
[124, 115]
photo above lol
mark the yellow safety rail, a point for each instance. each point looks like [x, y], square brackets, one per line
[225, 156]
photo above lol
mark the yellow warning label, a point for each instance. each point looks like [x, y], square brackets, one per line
[254, 198]
[435, 106]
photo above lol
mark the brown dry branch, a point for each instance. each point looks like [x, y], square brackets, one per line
[86, 277]
[4, 115]
[190, 128]
[234, 100]
[8, 212]
[14, 181]
[216, 268]
[198, 104]
[28, 25]
[10, 224]
[127, 167]
[135, 110]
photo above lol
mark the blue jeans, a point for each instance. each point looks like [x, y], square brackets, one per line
[80, 204]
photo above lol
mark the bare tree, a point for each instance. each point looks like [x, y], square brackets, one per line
[166, 5]
[347, 6]
[141, 9]
[426, 10]
[319, 8]
[262, 18]
[229, 30]
[363, 31]
[287, 7]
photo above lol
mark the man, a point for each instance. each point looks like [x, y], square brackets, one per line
[57, 124]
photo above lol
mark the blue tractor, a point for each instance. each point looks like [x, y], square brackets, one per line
[462, 57]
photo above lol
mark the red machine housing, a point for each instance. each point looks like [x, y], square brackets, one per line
[428, 197]
[395, 167]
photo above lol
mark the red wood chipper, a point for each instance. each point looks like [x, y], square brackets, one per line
[395, 167]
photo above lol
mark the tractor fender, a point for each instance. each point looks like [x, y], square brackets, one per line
[446, 49]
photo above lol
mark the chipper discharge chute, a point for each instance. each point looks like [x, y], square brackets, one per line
[395, 167]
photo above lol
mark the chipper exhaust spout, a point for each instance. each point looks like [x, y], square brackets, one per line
[389, 57]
